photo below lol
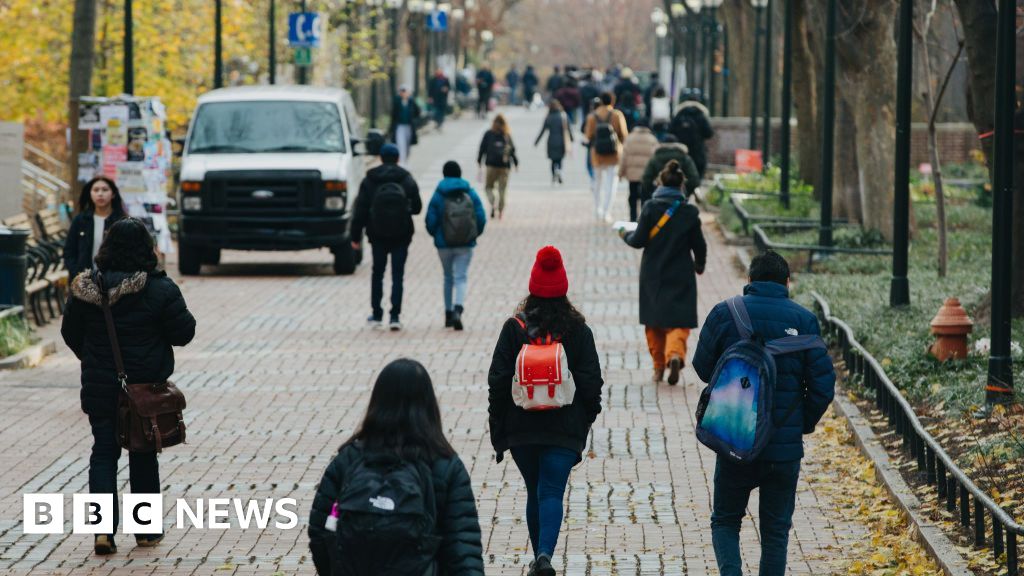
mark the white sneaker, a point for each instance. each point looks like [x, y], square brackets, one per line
[374, 322]
[608, 218]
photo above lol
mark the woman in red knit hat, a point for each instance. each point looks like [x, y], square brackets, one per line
[545, 442]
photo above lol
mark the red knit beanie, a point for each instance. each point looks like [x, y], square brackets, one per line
[548, 279]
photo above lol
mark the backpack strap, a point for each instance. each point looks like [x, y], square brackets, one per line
[535, 341]
[795, 344]
[664, 219]
[740, 317]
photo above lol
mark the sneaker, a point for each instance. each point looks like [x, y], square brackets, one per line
[457, 318]
[492, 213]
[659, 375]
[148, 540]
[542, 566]
[374, 322]
[394, 325]
[675, 366]
[448, 318]
[104, 545]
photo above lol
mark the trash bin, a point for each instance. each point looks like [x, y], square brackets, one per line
[12, 266]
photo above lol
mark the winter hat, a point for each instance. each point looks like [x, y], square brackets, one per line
[389, 152]
[452, 169]
[548, 279]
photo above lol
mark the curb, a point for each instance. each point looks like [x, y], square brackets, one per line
[927, 533]
[740, 252]
[29, 357]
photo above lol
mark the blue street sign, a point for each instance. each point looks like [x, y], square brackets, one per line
[437, 21]
[304, 29]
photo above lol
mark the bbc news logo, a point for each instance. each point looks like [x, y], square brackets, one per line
[143, 513]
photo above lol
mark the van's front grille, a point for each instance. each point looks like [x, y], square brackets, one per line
[264, 191]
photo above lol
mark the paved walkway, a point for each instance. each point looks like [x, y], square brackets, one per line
[281, 371]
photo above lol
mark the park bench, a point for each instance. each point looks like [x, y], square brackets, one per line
[46, 279]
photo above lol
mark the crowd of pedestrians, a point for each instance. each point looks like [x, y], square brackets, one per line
[396, 498]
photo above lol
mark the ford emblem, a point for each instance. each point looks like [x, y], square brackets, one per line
[262, 194]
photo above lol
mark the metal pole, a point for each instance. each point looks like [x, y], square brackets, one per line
[129, 55]
[303, 73]
[673, 21]
[828, 113]
[374, 110]
[218, 47]
[393, 43]
[756, 80]
[899, 288]
[714, 59]
[273, 45]
[787, 99]
[1000, 373]
[693, 30]
[726, 71]
[766, 148]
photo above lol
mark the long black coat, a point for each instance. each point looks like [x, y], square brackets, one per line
[396, 118]
[668, 283]
[557, 126]
[461, 552]
[150, 316]
[566, 427]
[78, 244]
[692, 127]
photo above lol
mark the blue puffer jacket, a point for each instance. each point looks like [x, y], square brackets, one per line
[435, 210]
[808, 373]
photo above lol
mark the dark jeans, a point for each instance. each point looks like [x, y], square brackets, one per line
[556, 166]
[482, 102]
[546, 472]
[439, 113]
[380, 262]
[733, 483]
[635, 200]
[143, 471]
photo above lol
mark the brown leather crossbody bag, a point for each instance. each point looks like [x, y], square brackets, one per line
[149, 416]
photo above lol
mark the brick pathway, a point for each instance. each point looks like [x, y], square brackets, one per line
[281, 370]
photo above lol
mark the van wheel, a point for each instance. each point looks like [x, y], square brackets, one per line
[189, 259]
[211, 256]
[344, 260]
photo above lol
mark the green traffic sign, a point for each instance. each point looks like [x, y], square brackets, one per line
[303, 56]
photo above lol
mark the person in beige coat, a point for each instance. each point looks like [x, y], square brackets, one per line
[605, 131]
[636, 153]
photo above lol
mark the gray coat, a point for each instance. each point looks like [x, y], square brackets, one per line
[557, 126]
[668, 283]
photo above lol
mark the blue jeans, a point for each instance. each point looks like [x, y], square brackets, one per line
[733, 483]
[455, 262]
[546, 472]
[380, 262]
[143, 470]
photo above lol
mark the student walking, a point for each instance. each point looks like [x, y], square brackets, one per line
[150, 315]
[498, 153]
[405, 116]
[804, 387]
[674, 253]
[558, 127]
[101, 205]
[530, 82]
[439, 88]
[388, 199]
[605, 132]
[455, 218]
[484, 88]
[545, 444]
[636, 153]
[692, 128]
[667, 151]
[398, 461]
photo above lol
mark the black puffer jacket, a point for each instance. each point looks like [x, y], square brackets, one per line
[567, 427]
[150, 316]
[362, 218]
[461, 552]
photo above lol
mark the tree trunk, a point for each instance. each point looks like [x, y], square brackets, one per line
[1017, 273]
[806, 63]
[83, 50]
[847, 177]
[873, 74]
[739, 19]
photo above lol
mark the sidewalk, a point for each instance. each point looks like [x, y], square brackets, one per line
[282, 368]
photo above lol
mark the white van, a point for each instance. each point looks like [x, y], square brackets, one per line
[269, 168]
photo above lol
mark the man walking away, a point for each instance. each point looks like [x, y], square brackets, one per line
[636, 153]
[570, 98]
[804, 387]
[530, 82]
[388, 198]
[654, 85]
[440, 87]
[555, 82]
[628, 97]
[692, 127]
[405, 115]
[484, 88]
[512, 80]
[606, 130]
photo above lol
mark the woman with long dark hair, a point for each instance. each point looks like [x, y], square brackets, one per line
[559, 130]
[99, 206]
[545, 443]
[397, 461]
[150, 315]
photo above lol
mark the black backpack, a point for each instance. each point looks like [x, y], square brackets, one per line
[458, 222]
[498, 151]
[387, 519]
[606, 141]
[390, 217]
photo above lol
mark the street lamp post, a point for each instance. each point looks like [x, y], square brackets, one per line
[218, 46]
[458, 15]
[712, 6]
[129, 56]
[787, 99]
[755, 74]
[828, 113]
[676, 13]
[374, 104]
[694, 28]
[899, 289]
[415, 8]
[394, 14]
[660, 31]
[273, 44]
[303, 73]
[768, 39]
[726, 71]
[1000, 365]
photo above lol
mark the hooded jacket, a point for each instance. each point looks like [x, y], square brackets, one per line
[806, 378]
[435, 209]
[361, 219]
[150, 316]
[662, 156]
[78, 244]
[692, 127]
[636, 153]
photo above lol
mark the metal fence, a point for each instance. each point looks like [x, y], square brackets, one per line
[989, 523]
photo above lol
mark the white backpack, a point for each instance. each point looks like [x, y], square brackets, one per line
[542, 379]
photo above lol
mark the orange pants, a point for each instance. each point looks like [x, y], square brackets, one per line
[664, 343]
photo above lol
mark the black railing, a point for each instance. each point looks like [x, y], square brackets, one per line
[763, 242]
[934, 466]
[736, 199]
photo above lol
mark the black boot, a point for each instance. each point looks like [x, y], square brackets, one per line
[457, 318]
[448, 318]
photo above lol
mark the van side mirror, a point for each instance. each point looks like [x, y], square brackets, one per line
[358, 147]
[375, 140]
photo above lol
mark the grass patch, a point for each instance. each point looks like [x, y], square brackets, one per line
[15, 335]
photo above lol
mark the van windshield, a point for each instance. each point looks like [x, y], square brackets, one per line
[251, 127]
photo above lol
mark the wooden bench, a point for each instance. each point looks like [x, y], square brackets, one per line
[46, 279]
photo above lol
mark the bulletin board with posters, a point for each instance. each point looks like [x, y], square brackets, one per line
[127, 142]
